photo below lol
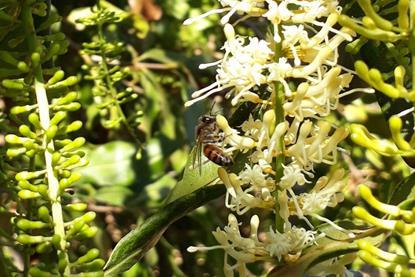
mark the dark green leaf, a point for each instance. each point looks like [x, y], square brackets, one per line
[135, 244]
[403, 191]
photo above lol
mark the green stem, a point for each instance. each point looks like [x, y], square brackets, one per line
[278, 100]
[43, 106]
[110, 85]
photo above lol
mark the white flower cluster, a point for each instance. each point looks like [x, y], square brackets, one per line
[300, 61]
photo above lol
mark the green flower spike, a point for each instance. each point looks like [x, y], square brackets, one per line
[401, 222]
[397, 146]
[395, 263]
[375, 27]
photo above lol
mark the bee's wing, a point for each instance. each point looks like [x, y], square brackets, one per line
[197, 157]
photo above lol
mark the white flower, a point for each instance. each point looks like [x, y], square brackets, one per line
[232, 137]
[240, 199]
[252, 127]
[253, 176]
[326, 193]
[307, 12]
[242, 249]
[318, 99]
[292, 241]
[315, 145]
[293, 174]
[241, 69]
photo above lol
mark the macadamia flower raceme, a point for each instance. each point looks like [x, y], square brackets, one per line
[295, 81]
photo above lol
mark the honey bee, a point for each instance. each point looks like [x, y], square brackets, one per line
[208, 136]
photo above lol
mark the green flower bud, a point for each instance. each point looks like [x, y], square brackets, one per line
[370, 12]
[27, 239]
[70, 81]
[76, 226]
[74, 126]
[53, 51]
[403, 18]
[62, 142]
[14, 152]
[71, 161]
[370, 259]
[56, 241]
[56, 77]
[395, 125]
[13, 84]
[22, 109]
[43, 214]
[30, 153]
[51, 132]
[30, 145]
[89, 216]
[69, 107]
[36, 272]
[89, 232]
[25, 224]
[66, 182]
[56, 156]
[62, 262]
[13, 139]
[26, 175]
[65, 173]
[58, 117]
[89, 256]
[43, 190]
[68, 98]
[24, 184]
[35, 58]
[23, 67]
[76, 143]
[367, 195]
[367, 217]
[400, 259]
[78, 207]
[27, 194]
[375, 34]
[96, 265]
[25, 131]
[368, 22]
[45, 247]
[34, 119]
[403, 228]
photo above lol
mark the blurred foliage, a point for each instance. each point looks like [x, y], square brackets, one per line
[162, 57]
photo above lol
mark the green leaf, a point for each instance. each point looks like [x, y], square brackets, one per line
[193, 178]
[159, 56]
[135, 244]
[111, 164]
[403, 191]
[115, 195]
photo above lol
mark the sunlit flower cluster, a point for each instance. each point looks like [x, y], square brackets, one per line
[298, 64]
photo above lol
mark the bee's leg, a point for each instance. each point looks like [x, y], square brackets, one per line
[213, 139]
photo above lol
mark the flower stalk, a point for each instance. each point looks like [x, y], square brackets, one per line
[47, 143]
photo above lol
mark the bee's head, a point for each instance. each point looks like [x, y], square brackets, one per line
[207, 119]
